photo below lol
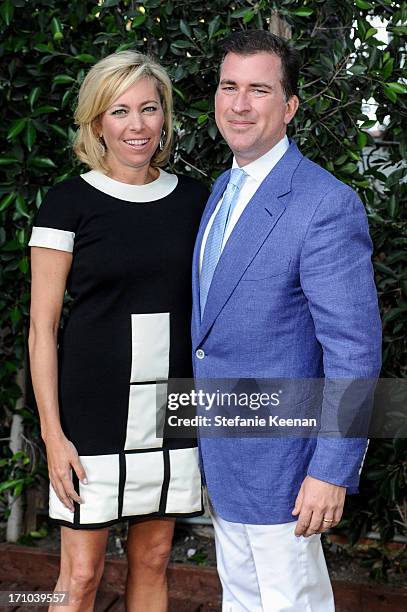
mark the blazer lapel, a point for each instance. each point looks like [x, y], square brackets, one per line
[218, 189]
[254, 225]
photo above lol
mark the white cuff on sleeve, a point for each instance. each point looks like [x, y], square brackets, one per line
[51, 238]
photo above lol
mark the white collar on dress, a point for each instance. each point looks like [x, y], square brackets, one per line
[259, 168]
[150, 192]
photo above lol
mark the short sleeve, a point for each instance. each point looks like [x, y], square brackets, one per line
[56, 221]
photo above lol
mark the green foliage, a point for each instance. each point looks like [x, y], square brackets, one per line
[47, 47]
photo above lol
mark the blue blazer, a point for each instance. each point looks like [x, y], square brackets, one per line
[293, 296]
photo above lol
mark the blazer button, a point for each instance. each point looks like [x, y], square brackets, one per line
[200, 354]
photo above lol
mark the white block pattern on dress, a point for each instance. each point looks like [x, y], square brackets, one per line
[102, 472]
[150, 346]
[57, 510]
[144, 480]
[144, 418]
[183, 491]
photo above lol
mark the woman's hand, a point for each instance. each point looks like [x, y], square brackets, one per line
[62, 457]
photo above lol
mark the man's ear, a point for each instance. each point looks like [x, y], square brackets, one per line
[292, 107]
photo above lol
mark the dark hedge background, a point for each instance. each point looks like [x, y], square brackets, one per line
[45, 50]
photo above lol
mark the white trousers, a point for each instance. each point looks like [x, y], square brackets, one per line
[266, 568]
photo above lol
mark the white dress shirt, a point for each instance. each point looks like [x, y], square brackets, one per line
[257, 171]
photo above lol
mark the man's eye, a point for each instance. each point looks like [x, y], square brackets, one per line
[228, 88]
[259, 91]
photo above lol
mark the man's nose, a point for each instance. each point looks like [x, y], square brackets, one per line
[241, 102]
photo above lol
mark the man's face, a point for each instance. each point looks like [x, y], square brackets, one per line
[251, 111]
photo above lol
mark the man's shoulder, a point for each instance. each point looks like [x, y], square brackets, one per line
[315, 179]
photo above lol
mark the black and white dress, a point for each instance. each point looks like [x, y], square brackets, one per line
[128, 328]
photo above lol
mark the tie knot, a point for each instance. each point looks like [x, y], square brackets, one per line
[237, 176]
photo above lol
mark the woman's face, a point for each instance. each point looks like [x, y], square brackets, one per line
[132, 127]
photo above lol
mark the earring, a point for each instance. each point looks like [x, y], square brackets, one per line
[162, 140]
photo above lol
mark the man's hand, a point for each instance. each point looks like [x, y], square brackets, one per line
[318, 500]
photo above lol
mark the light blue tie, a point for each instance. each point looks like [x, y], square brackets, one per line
[213, 246]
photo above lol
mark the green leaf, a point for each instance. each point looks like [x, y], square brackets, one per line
[366, 125]
[302, 12]
[213, 26]
[5, 202]
[348, 168]
[85, 57]
[34, 95]
[110, 3]
[30, 135]
[185, 28]
[182, 44]
[21, 207]
[7, 11]
[371, 32]
[357, 69]
[56, 29]
[363, 5]
[10, 484]
[63, 78]
[387, 68]
[392, 206]
[179, 93]
[24, 265]
[58, 130]
[248, 17]
[398, 88]
[42, 162]
[49, 48]
[44, 110]
[6, 161]
[212, 130]
[16, 127]
[138, 20]
[240, 13]
[390, 93]
[381, 267]
[201, 119]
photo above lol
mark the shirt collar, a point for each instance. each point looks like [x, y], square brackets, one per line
[259, 168]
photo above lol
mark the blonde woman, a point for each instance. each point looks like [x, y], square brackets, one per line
[119, 238]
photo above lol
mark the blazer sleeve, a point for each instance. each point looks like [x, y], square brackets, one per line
[56, 221]
[337, 278]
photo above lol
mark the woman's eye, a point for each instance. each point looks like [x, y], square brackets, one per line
[149, 109]
[118, 111]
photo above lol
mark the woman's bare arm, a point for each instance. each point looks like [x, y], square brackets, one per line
[50, 269]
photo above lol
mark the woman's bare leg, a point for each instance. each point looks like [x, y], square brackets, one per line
[148, 552]
[82, 563]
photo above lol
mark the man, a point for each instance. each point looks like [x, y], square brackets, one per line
[283, 287]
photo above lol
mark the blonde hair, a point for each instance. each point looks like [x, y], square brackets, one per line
[105, 82]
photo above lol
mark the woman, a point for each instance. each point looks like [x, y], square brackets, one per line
[119, 239]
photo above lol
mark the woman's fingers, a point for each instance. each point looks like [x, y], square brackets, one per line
[62, 495]
[79, 469]
[69, 489]
[62, 458]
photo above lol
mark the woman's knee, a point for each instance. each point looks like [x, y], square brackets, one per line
[153, 558]
[84, 577]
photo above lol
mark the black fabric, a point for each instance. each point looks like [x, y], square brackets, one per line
[128, 258]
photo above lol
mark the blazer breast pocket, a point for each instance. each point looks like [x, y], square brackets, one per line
[262, 268]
